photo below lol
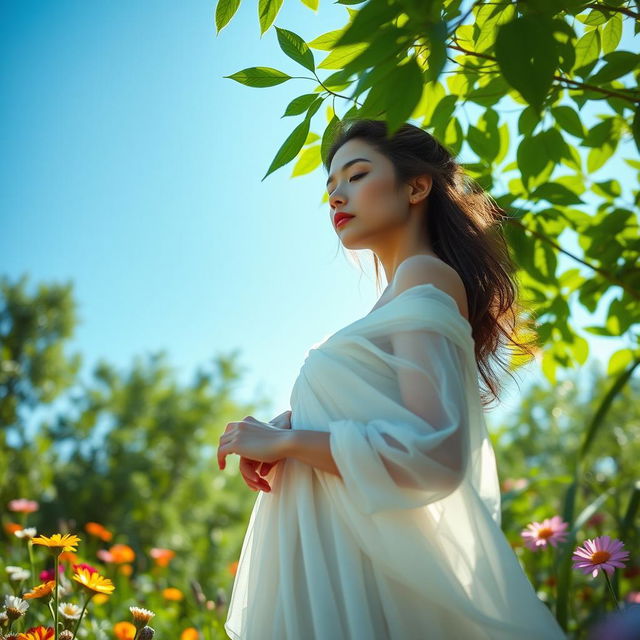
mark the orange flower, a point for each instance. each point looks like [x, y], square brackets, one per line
[37, 633]
[41, 590]
[162, 556]
[122, 553]
[97, 530]
[93, 581]
[124, 630]
[12, 527]
[66, 542]
[171, 593]
[190, 633]
[68, 556]
[233, 567]
[125, 569]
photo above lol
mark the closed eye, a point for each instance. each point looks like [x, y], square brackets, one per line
[357, 177]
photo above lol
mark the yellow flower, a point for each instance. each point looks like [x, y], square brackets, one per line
[171, 593]
[41, 590]
[99, 598]
[66, 542]
[93, 581]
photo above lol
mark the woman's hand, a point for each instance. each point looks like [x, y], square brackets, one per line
[252, 470]
[257, 445]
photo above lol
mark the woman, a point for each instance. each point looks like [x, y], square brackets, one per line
[379, 516]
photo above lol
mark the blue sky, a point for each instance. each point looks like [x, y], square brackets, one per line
[133, 168]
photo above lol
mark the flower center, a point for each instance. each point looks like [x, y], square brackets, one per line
[599, 557]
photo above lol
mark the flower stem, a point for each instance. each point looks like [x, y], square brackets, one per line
[55, 617]
[613, 595]
[30, 550]
[86, 602]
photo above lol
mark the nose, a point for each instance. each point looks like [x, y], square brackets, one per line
[335, 199]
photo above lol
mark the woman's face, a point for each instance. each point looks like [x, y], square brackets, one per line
[367, 190]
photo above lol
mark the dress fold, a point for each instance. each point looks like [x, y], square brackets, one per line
[407, 543]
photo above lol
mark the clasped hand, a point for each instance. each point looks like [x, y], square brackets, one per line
[259, 444]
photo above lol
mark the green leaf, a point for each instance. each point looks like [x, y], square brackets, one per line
[290, 148]
[635, 127]
[300, 104]
[308, 161]
[326, 42]
[403, 91]
[569, 120]
[341, 56]
[556, 194]
[612, 33]
[328, 137]
[527, 56]
[296, 48]
[617, 64]
[384, 47]
[367, 21]
[436, 35]
[531, 157]
[267, 12]
[597, 158]
[225, 10]
[259, 77]
[587, 52]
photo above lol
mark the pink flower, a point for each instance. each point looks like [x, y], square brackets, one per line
[540, 535]
[633, 596]
[23, 505]
[595, 520]
[48, 574]
[104, 555]
[601, 553]
[84, 565]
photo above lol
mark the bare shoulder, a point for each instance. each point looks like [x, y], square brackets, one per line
[425, 269]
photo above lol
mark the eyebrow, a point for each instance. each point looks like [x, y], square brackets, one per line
[348, 164]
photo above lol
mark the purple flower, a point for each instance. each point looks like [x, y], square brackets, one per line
[602, 552]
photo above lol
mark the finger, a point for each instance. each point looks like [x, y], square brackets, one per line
[265, 468]
[259, 485]
[223, 452]
[248, 471]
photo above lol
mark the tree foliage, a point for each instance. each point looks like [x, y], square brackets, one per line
[577, 98]
[560, 67]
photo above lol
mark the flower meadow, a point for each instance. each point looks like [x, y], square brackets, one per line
[53, 591]
[97, 594]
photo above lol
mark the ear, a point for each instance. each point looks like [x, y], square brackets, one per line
[420, 188]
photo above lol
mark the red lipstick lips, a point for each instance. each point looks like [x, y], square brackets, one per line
[340, 218]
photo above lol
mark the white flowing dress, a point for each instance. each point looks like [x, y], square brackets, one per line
[407, 544]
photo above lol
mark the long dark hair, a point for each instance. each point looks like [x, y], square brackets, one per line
[464, 226]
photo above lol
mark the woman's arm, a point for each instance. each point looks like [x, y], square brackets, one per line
[311, 447]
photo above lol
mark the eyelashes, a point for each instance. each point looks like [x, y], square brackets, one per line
[357, 177]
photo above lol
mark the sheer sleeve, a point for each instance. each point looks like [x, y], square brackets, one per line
[415, 449]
